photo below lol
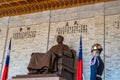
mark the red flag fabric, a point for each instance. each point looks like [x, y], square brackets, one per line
[80, 63]
[6, 65]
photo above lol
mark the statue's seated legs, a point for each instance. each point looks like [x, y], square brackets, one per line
[43, 70]
[62, 64]
[66, 66]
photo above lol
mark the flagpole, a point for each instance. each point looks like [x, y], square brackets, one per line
[49, 30]
[104, 35]
[83, 76]
[5, 46]
[82, 64]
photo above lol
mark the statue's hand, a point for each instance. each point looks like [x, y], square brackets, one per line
[60, 54]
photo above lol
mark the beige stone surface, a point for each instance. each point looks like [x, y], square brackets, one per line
[45, 78]
[3, 34]
[4, 22]
[24, 47]
[100, 29]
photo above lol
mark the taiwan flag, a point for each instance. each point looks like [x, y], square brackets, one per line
[6, 65]
[80, 64]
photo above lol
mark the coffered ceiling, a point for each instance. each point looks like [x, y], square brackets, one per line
[18, 7]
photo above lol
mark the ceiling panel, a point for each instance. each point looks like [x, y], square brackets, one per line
[17, 7]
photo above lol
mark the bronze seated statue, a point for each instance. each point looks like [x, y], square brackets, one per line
[59, 59]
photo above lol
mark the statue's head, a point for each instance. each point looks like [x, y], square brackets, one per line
[60, 39]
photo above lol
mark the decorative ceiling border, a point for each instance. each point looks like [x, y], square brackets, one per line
[18, 7]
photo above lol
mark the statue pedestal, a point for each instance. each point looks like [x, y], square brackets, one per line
[38, 77]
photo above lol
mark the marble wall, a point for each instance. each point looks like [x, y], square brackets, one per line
[36, 32]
